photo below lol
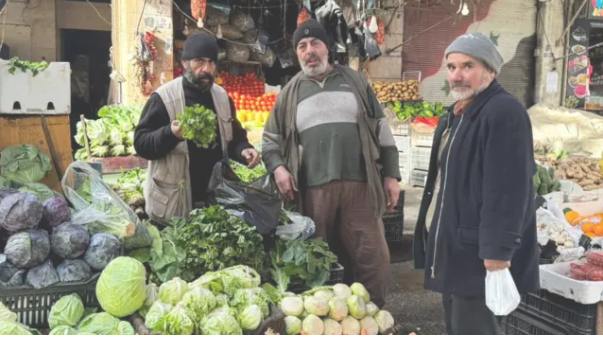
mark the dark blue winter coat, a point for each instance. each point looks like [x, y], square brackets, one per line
[487, 194]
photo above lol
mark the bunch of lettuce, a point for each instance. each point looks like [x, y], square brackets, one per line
[110, 135]
[199, 125]
[247, 175]
[24, 164]
[129, 187]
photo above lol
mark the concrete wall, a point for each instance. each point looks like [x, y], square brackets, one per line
[32, 27]
[389, 66]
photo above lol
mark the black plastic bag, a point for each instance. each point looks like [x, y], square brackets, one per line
[258, 203]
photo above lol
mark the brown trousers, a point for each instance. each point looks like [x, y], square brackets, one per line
[345, 218]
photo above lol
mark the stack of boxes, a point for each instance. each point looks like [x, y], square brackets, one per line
[420, 153]
[401, 132]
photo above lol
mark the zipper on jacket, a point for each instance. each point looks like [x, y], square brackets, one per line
[435, 246]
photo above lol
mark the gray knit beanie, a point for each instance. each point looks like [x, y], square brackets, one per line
[478, 46]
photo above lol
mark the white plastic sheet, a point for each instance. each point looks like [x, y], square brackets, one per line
[502, 297]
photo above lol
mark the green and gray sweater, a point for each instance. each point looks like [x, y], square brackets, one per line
[331, 130]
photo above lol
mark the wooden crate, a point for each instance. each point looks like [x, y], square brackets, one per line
[117, 164]
[27, 129]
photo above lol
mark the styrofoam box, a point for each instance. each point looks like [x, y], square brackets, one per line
[403, 144]
[49, 92]
[554, 278]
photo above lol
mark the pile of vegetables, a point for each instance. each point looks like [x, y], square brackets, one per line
[591, 225]
[226, 302]
[425, 112]
[248, 175]
[35, 67]
[306, 260]
[580, 169]
[209, 240]
[545, 182]
[199, 125]
[336, 310]
[23, 166]
[10, 326]
[129, 187]
[246, 85]
[397, 91]
[111, 135]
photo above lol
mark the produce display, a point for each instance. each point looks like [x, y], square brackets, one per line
[590, 269]
[130, 187]
[545, 181]
[199, 125]
[591, 225]
[426, 113]
[253, 112]
[35, 67]
[111, 135]
[336, 310]
[209, 240]
[397, 91]
[247, 85]
[584, 171]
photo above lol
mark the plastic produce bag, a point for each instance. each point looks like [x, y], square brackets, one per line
[287, 58]
[301, 227]
[215, 17]
[97, 205]
[237, 53]
[260, 201]
[242, 21]
[502, 297]
[261, 43]
[268, 58]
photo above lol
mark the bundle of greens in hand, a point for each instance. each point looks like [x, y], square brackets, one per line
[199, 125]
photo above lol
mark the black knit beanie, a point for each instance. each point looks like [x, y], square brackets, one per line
[310, 29]
[200, 46]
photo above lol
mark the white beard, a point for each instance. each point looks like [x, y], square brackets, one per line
[314, 71]
[461, 94]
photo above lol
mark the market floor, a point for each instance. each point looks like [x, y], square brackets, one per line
[414, 308]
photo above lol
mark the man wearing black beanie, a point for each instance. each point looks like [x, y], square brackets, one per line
[179, 171]
[328, 138]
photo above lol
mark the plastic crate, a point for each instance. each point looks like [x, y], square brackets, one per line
[405, 176]
[421, 139]
[32, 306]
[420, 157]
[403, 144]
[404, 161]
[522, 324]
[418, 178]
[400, 128]
[573, 316]
[394, 227]
[297, 285]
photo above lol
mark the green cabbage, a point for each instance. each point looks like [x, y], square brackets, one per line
[41, 191]
[313, 325]
[293, 325]
[200, 302]
[316, 306]
[244, 297]
[356, 307]
[325, 295]
[292, 306]
[24, 164]
[173, 291]
[63, 330]
[7, 315]
[155, 314]
[4, 183]
[220, 322]
[67, 311]
[229, 280]
[371, 309]
[369, 324]
[99, 324]
[385, 321]
[121, 289]
[342, 291]
[13, 328]
[250, 317]
[350, 326]
[125, 328]
[179, 321]
[338, 308]
[332, 327]
[360, 291]
[152, 294]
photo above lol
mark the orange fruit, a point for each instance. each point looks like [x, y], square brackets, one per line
[591, 235]
[599, 230]
[588, 227]
[572, 216]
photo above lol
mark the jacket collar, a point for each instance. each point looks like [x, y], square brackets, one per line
[473, 109]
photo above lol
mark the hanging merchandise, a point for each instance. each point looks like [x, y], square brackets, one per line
[229, 32]
[250, 37]
[370, 44]
[304, 15]
[143, 67]
[244, 22]
[237, 53]
[377, 28]
[261, 43]
[331, 18]
[221, 55]
[287, 57]
[267, 59]
[215, 17]
[198, 9]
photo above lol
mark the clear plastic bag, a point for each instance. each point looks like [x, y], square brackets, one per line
[259, 203]
[237, 53]
[96, 205]
[242, 21]
[301, 227]
[287, 58]
[502, 297]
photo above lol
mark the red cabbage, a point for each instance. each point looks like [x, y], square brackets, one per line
[69, 241]
[20, 211]
[56, 212]
[28, 248]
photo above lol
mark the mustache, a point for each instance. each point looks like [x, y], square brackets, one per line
[460, 84]
[311, 58]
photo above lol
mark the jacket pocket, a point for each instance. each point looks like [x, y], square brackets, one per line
[468, 234]
[167, 200]
[226, 124]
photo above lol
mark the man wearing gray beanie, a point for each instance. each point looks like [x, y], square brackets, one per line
[333, 154]
[477, 215]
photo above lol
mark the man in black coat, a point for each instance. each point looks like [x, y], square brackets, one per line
[477, 212]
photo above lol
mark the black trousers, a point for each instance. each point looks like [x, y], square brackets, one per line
[470, 316]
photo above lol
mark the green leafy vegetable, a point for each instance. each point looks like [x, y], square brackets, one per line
[66, 312]
[35, 68]
[199, 125]
[7, 315]
[41, 191]
[309, 260]
[24, 164]
[121, 288]
[248, 175]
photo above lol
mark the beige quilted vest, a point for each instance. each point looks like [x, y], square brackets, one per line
[168, 191]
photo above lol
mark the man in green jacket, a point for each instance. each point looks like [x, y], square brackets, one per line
[333, 154]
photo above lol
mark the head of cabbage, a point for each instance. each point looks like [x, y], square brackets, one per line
[342, 291]
[313, 325]
[293, 325]
[199, 301]
[369, 324]
[67, 311]
[63, 330]
[155, 314]
[385, 320]
[14, 328]
[173, 291]
[371, 309]
[360, 291]
[24, 163]
[332, 327]
[7, 315]
[250, 317]
[338, 308]
[350, 326]
[179, 321]
[324, 294]
[99, 324]
[316, 306]
[258, 296]
[292, 306]
[356, 307]
[121, 288]
[220, 322]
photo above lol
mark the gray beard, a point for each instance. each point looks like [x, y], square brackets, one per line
[461, 95]
[193, 80]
